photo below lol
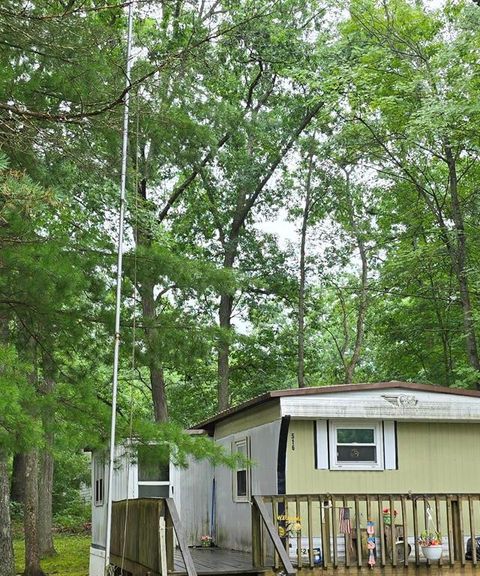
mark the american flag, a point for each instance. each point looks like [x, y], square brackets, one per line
[344, 525]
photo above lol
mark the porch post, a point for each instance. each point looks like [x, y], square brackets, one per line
[256, 536]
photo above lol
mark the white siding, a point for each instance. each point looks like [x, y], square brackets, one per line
[234, 518]
[192, 493]
[124, 485]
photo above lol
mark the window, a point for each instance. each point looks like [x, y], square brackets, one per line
[99, 480]
[356, 446]
[153, 472]
[241, 476]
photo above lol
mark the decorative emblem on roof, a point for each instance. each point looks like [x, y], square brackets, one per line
[402, 400]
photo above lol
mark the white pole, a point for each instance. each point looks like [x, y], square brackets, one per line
[121, 218]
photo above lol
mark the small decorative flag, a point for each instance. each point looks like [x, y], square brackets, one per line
[344, 523]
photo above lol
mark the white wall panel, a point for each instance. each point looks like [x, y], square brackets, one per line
[234, 518]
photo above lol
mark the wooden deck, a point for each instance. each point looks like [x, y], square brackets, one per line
[149, 548]
[217, 561]
[221, 562]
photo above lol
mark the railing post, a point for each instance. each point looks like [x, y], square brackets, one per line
[162, 546]
[256, 536]
[457, 522]
[451, 540]
[327, 554]
[169, 538]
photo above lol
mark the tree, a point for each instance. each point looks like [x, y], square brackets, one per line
[413, 120]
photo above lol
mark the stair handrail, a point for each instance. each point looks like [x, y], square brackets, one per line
[182, 543]
[259, 512]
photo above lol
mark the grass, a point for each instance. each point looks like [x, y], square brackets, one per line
[71, 560]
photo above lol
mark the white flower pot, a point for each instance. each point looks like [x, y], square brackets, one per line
[432, 552]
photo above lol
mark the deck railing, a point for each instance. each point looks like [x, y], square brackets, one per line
[261, 523]
[143, 537]
[330, 530]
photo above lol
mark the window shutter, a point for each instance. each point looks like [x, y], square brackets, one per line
[390, 444]
[321, 444]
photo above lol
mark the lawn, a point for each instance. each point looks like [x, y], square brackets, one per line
[72, 558]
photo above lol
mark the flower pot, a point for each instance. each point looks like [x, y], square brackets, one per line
[433, 552]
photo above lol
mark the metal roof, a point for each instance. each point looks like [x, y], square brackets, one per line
[209, 424]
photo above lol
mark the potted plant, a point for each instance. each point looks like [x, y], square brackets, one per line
[207, 541]
[387, 516]
[431, 544]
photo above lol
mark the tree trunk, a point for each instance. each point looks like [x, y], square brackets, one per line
[351, 364]
[30, 523]
[460, 265]
[7, 561]
[301, 304]
[225, 315]
[17, 492]
[146, 289]
[244, 204]
[46, 461]
[45, 495]
[439, 310]
[157, 380]
[301, 287]
[225, 320]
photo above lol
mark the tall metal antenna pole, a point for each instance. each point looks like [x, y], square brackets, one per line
[121, 218]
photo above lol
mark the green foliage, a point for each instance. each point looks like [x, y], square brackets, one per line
[71, 474]
[74, 518]
[16, 426]
[219, 106]
[71, 560]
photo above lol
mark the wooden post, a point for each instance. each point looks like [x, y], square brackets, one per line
[415, 531]
[326, 534]
[438, 518]
[299, 533]
[347, 537]
[472, 530]
[393, 533]
[162, 546]
[381, 532]
[358, 530]
[169, 540]
[311, 559]
[335, 532]
[457, 524]
[451, 545]
[276, 560]
[256, 537]
[426, 522]
[405, 531]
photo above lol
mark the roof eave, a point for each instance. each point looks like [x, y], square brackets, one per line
[210, 423]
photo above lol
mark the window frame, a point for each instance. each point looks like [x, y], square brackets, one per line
[152, 482]
[99, 482]
[240, 442]
[376, 426]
